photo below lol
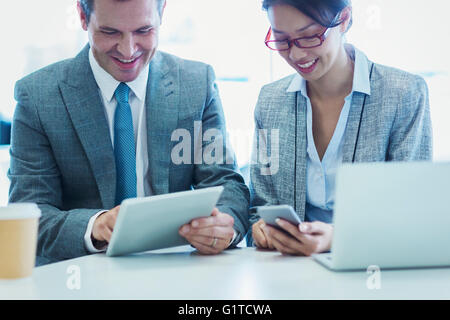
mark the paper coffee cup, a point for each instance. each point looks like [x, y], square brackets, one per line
[18, 239]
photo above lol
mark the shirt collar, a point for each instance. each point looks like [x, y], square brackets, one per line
[361, 81]
[361, 78]
[108, 84]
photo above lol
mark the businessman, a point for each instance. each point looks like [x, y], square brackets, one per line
[91, 131]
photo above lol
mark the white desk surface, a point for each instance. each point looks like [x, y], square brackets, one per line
[246, 273]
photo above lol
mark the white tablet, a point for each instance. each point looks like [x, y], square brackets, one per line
[152, 223]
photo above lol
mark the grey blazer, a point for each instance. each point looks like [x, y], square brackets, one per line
[62, 156]
[395, 126]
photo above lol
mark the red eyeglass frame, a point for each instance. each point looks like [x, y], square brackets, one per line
[322, 37]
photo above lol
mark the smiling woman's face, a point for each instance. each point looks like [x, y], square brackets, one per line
[313, 63]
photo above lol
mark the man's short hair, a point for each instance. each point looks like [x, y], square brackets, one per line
[88, 7]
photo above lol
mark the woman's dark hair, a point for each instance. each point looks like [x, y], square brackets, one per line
[324, 12]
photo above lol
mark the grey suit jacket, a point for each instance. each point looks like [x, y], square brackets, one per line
[395, 126]
[62, 157]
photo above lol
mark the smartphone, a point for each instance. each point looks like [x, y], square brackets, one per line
[270, 213]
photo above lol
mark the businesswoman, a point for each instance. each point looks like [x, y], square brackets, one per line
[338, 107]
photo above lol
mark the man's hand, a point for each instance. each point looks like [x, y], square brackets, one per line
[306, 239]
[104, 225]
[259, 236]
[209, 235]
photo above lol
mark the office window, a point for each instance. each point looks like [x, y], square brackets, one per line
[408, 34]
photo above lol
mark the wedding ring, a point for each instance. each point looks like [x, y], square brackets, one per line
[213, 244]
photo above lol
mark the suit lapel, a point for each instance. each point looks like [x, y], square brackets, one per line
[355, 116]
[162, 101]
[292, 171]
[86, 110]
[351, 131]
[301, 156]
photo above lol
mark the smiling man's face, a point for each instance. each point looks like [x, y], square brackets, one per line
[123, 35]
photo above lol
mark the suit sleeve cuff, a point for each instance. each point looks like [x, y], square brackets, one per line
[87, 236]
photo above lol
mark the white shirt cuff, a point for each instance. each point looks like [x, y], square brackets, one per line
[87, 236]
[234, 237]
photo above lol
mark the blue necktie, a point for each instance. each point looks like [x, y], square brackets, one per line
[124, 148]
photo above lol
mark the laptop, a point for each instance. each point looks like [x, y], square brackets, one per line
[390, 215]
[152, 223]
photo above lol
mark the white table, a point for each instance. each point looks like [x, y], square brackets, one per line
[245, 273]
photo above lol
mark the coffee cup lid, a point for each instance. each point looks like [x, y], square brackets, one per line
[16, 211]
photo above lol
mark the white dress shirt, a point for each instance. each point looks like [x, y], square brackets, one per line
[107, 86]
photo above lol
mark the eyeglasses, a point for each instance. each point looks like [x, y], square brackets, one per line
[304, 42]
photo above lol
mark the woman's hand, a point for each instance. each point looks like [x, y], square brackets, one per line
[306, 239]
[260, 239]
